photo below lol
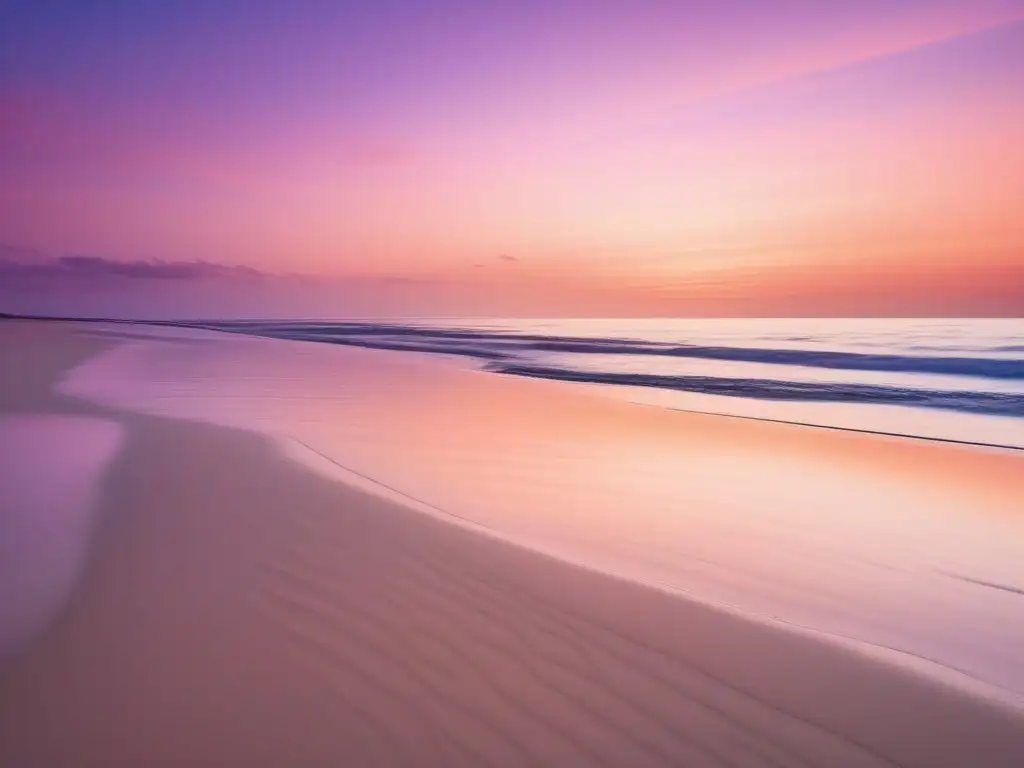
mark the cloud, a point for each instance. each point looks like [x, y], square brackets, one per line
[16, 262]
[17, 254]
[506, 257]
[860, 51]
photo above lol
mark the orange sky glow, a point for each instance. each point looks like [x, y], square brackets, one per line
[735, 158]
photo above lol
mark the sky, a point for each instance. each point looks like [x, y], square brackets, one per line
[220, 158]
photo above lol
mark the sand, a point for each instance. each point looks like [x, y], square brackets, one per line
[238, 608]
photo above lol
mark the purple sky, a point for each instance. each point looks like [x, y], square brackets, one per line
[640, 157]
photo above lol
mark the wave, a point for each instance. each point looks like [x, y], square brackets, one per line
[986, 403]
[496, 345]
[849, 361]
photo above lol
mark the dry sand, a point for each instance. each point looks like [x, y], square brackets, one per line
[239, 609]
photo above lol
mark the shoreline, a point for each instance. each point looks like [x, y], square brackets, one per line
[220, 569]
[399, 402]
[890, 655]
[587, 382]
[906, 435]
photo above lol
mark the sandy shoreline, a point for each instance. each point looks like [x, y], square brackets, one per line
[238, 608]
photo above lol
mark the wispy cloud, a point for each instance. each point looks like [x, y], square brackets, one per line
[817, 63]
[20, 262]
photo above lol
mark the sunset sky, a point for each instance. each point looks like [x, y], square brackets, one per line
[565, 157]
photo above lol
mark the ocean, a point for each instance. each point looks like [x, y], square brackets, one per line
[946, 379]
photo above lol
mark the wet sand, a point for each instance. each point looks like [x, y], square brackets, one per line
[239, 608]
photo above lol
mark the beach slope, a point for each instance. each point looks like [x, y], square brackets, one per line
[238, 608]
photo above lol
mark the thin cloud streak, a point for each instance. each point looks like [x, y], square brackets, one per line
[97, 268]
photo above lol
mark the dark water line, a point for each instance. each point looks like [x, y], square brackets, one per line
[907, 435]
[985, 403]
[849, 361]
[982, 583]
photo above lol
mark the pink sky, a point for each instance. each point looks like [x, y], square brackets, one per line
[631, 158]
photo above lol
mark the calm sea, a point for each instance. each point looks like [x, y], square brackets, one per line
[953, 379]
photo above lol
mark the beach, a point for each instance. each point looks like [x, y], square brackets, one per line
[444, 567]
